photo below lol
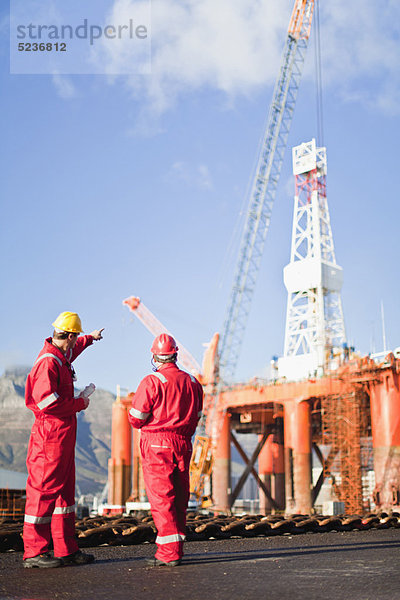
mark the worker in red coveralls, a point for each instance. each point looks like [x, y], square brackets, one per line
[50, 489]
[167, 407]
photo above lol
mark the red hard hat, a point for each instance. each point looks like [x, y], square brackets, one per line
[164, 344]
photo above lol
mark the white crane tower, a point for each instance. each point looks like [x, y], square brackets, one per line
[315, 332]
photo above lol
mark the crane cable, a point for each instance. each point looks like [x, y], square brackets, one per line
[318, 77]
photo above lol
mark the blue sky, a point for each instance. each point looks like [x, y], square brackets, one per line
[113, 186]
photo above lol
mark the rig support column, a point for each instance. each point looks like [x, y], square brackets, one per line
[138, 490]
[271, 469]
[119, 465]
[221, 472]
[298, 456]
[385, 421]
[265, 470]
[279, 465]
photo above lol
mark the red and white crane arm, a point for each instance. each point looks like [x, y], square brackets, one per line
[186, 360]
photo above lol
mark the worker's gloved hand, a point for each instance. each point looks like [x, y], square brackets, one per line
[87, 402]
[88, 391]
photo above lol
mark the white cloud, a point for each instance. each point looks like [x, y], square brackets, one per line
[361, 51]
[234, 46]
[204, 177]
[193, 175]
[64, 86]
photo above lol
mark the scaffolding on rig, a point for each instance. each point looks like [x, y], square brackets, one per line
[345, 430]
[12, 503]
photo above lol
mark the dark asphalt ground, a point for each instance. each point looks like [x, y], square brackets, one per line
[332, 566]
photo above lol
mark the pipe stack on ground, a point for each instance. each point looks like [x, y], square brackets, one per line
[129, 530]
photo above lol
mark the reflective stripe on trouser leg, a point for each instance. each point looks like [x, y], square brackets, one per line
[168, 539]
[63, 534]
[39, 504]
[162, 501]
[51, 484]
[37, 532]
[183, 485]
[51, 519]
[168, 499]
[63, 521]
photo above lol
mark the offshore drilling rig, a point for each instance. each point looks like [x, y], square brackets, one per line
[322, 400]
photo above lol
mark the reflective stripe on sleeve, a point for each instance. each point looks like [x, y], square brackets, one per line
[138, 415]
[49, 355]
[47, 401]
[64, 510]
[168, 539]
[160, 376]
[36, 520]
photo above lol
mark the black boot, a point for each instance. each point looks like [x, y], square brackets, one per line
[77, 558]
[42, 561]
[155, 562]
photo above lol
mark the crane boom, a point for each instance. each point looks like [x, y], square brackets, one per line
[144, 315]
[264, 186]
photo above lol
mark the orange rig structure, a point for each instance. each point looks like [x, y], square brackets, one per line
[337, 417]
[348, 416]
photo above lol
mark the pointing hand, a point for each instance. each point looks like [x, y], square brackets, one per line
[96, 334]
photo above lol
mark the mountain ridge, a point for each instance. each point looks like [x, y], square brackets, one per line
[93, 445]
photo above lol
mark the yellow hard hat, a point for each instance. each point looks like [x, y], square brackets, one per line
[68, 321]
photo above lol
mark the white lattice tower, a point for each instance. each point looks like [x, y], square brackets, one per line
[315, 332]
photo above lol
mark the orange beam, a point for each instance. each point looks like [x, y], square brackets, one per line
[250, 395]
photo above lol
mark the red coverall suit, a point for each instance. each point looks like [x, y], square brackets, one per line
[166, 407]
[50, 489]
